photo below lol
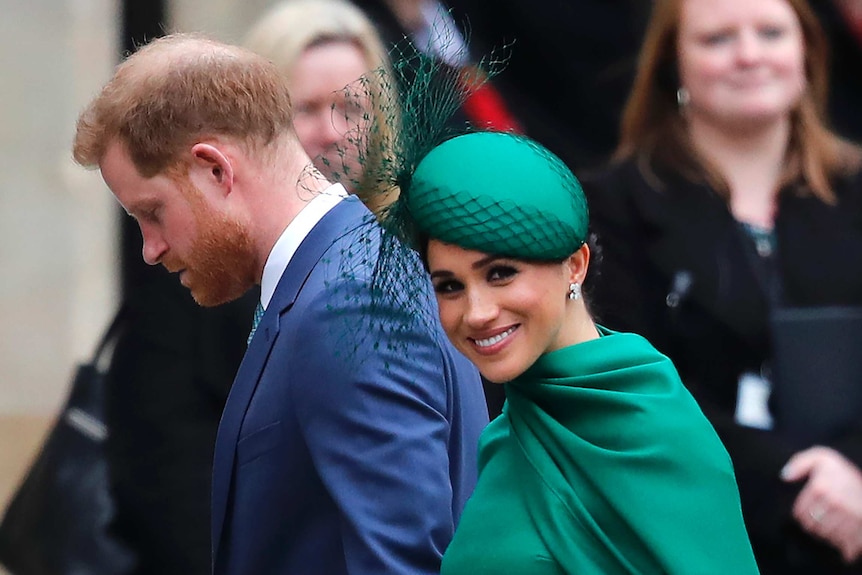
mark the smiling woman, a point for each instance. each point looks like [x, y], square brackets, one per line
[599, 437]
[504, 313]
[740, 63]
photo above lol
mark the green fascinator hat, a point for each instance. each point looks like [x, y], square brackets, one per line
[498, 193]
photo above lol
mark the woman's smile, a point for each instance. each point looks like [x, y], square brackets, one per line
[494, 343]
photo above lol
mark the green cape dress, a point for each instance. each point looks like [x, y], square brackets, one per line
[602, 464]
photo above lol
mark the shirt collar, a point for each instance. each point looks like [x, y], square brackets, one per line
[296, 231]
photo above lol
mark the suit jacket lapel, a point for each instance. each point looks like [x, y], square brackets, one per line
[347, 215]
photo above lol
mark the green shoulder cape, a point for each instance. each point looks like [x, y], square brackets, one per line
[625, 474]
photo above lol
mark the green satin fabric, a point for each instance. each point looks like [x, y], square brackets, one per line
[608, 466]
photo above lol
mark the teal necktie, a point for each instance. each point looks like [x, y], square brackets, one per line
[258, 313]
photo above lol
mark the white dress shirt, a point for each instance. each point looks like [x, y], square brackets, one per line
[292, 236]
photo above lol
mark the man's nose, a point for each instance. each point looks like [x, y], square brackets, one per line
[154, 248]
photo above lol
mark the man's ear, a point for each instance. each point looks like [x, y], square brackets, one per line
[579, 263]
[210, 168]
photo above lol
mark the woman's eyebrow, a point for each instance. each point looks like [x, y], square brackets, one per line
[441, 274]
[485, 261]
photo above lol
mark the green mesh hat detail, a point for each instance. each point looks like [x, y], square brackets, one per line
[498, 193]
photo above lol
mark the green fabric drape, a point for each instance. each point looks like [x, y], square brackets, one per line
[613, 466]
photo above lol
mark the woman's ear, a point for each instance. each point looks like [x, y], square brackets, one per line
[578, 263]
[211, 169]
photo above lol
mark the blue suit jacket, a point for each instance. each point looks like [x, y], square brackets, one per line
[338, 453]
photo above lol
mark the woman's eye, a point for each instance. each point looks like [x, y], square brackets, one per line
[771, 32]
[448, 287]
[501, 273]
[350, 109]
[716, 39]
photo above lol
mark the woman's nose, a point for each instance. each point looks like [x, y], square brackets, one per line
[749, 48]
[481, 309]
[332, 125]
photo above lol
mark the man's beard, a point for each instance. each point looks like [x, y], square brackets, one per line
[221, 265]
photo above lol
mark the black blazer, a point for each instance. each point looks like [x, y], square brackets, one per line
[571, 66]
[166, 387]
[672, 266]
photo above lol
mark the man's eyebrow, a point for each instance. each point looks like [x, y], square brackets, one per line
[144, 205]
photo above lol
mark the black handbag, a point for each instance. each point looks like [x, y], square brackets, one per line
[58, 520]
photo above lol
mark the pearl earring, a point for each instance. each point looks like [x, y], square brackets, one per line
[574, 291]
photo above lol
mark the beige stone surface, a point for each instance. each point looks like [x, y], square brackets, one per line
[226, 20]
[57, 221]
[20, 438]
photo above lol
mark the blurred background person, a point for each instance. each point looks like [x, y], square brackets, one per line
[730, 199]
[427, 23]
[323, 47]
[166, 386]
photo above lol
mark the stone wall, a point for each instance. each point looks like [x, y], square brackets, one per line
[57, 221]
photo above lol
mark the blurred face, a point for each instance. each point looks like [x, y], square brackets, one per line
[211, 252]
[324, 113]
[742, 61]
[501, 313]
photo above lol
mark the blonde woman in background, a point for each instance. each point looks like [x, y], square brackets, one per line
[324, 47]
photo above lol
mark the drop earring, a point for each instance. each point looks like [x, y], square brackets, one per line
[574, 291]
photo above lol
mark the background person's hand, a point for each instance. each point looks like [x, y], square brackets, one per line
[830, 504]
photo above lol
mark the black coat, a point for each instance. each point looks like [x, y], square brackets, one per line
[845, 71]
[168, 381]
[572, 63]
[651, 240]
